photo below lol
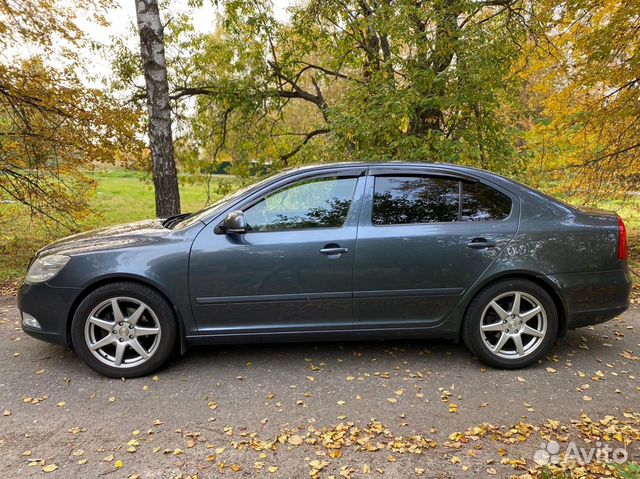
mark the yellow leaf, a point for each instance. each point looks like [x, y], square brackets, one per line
[49, 468]
[272, 469]
[295, 440]
[118, 464]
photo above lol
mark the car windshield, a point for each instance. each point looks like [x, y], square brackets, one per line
[188, 220]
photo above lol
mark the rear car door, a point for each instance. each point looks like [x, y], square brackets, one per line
[293, 271]
[424, 238]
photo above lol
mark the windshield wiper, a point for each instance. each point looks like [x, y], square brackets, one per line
[172, 220]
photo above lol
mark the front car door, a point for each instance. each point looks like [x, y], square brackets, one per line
[424, 238]
[293, 271]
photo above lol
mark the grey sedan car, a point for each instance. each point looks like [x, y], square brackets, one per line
[336, 252]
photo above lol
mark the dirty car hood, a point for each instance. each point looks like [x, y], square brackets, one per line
[121, 236]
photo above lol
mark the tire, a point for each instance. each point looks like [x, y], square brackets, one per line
[113, 340]
[491, 329]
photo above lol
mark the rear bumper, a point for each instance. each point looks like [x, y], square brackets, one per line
[51, 307]
[594, 297]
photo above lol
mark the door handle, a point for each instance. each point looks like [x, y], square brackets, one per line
[332, 251]
[481, 243]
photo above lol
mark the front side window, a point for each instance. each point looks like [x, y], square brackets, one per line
[414, 199]
[316, 203]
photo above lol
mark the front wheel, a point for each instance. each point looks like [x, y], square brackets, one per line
[511, 324]
[124, 330]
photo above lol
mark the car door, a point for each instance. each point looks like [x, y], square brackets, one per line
[424, 238]
[293, 271]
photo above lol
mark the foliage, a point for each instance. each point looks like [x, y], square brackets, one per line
[355, 80]
[583, 92]
[51, 124]
[543, 90]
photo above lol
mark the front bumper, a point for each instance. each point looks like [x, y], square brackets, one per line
[595, 297]
[51, 307]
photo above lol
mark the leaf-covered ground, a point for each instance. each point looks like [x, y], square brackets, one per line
[375, 409]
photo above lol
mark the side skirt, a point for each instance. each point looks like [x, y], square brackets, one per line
[439, 332]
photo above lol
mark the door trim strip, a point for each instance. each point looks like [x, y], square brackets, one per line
[269, 298]
[386, 293]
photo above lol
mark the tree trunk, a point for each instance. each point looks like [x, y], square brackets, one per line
[165, 176]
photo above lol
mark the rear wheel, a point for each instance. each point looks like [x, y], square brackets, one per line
[124, 330]
[511, 324]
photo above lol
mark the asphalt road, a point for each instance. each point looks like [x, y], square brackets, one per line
[372, 409]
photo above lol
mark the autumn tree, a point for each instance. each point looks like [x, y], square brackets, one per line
[165, 176]
[51, 124]
[584, 94]
[374, 79]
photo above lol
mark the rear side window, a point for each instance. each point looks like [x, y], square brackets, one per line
[482, 203]
[422, 199]
[410, 199]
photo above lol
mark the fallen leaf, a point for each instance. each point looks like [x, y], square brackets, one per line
[296, 440]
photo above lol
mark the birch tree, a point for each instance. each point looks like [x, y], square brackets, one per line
[165, 176]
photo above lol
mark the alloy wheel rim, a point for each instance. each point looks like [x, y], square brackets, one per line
[122, 332]
[513, 325]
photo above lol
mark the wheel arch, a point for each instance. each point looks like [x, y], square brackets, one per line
[105, 280]
[544, 282]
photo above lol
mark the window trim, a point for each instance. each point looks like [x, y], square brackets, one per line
[446, 176]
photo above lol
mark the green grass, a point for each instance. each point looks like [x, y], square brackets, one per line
[123, 196]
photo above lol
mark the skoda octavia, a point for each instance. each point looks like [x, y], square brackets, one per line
[342, 251]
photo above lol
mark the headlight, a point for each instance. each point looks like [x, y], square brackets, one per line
[45, 268]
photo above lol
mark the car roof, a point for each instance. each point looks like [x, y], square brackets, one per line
[444, 167]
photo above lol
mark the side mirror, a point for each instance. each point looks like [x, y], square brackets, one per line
[234, 223]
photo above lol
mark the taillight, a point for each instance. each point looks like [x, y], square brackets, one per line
[623, 243]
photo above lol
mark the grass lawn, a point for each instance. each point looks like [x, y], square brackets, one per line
[124, 196]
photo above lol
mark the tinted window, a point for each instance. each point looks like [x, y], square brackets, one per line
[318, 203]
[407, 199]
[480, 202]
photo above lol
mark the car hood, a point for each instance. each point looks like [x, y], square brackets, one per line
[120, 236]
